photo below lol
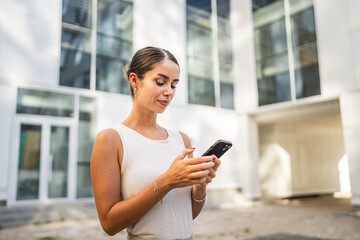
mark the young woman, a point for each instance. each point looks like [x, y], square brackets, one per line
[144, 176]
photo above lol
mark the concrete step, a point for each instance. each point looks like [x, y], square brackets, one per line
[36, 214]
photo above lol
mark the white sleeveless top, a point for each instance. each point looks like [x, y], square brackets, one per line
[144, 160]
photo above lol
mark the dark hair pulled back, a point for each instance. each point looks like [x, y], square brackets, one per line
[144, 60]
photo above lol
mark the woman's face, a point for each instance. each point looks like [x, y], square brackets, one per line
[156, 90]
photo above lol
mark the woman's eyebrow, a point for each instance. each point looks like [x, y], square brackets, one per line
[166, 77]
[163, 76]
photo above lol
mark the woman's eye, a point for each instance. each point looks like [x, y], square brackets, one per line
[173, 87]
[159, 83]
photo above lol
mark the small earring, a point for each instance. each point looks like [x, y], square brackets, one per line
[135, 90]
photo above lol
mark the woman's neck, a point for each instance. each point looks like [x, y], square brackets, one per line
[141, 119]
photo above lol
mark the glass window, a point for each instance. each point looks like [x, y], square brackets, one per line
[272, 61]
[273, 72]
[200, 44]
[200, 56]
[258, 4]
[29, 162]
[201, 91]
[270, 39]
[225, 54]
[303, 27]
[307, 80]
[77, 12]
[38, 102]
[114, 44]
[75, 59]
[87, 113]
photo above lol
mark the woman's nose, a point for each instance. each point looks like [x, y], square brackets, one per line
[168, 90]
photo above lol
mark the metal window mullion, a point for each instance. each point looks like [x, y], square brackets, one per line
[215, 53]
[93, 46]
[290, 50]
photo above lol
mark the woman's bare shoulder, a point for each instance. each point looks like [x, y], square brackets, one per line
[186, 139]
[109, 137]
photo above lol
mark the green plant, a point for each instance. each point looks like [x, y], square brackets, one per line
[47, 238]
[247, 230]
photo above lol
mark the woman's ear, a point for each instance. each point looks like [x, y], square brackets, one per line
[133, 80]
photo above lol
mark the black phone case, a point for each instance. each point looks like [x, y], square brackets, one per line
[218, 148]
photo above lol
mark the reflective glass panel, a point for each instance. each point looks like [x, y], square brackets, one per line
[227, 95]
[258, 4]
[75, 59]
[201, 91]
[110, 76]
[29, 162]
[38, 102]
[270, 39]
[200, 4]
[303, 27]
[115, 18]
[272, 63]
[199, 40]
[307, 80]
[200, 68]
[114, 45]
[77, 12]
[200, 56]
[59, 158]
[274, 89]
[87, 133]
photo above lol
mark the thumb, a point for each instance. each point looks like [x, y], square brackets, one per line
[184, 153]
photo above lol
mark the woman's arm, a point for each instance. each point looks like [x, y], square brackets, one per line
[114, 214]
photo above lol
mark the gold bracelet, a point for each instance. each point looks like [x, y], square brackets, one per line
[156, 190]
[199, 201]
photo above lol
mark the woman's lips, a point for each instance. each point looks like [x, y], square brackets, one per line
[165, 103]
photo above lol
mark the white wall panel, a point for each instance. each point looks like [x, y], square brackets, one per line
[7, 108]
[162, 23]
[245, 86]
[331, 19]
[354, 9]
[30, 41]
[336, 65]
[350, 103]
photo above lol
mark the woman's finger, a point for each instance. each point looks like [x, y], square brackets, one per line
[201, 166]
[184, 153]
[199, 174]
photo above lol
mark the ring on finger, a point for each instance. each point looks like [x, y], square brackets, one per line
[181, 155]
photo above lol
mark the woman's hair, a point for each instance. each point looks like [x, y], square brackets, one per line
[144, 60]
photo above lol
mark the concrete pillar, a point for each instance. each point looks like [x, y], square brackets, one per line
[350, 115]
[249, 149]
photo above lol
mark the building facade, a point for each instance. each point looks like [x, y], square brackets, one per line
[278, 78]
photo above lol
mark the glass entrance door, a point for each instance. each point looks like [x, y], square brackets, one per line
[43, 161]
[28, 175]
[58, 162]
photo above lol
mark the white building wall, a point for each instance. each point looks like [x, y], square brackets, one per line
[246, 97]
[337, 30]
[350, 105]
[30, 52]
[30, 41]
[7, 107]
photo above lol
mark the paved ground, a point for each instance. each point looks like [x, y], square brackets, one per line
[297, 219]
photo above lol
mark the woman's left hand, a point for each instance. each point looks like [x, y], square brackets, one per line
[213, 170]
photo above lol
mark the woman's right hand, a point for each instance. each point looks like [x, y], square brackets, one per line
[186, 172]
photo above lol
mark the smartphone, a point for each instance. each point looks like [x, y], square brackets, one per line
[218, 148]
